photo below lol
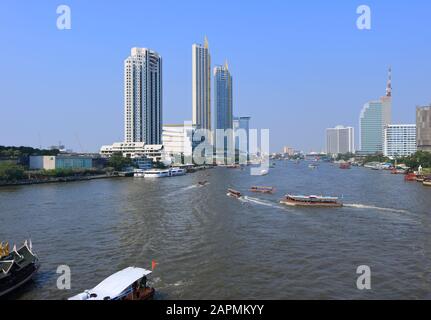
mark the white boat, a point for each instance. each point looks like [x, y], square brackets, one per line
[176, 172]
[127, 284]
[139, 173]
[156, 173]
[263, 172]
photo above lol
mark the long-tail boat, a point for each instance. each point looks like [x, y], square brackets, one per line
[233, 193]
[259, 189]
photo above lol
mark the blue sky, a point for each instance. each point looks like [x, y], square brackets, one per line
[298, 66]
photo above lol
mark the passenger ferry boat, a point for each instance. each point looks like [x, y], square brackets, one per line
[127, 284]
[233, 193]
[160, 173]
[311, 201]
[156, 173]
[16, 267]
[258, 189]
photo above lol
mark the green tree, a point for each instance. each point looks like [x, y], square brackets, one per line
[118, 162]
[11, 172]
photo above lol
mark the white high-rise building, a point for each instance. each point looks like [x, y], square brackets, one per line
[400, 140]
[340, 140]
[143, 97]
[201, 86]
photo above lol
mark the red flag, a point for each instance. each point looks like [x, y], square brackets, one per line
[153, 264]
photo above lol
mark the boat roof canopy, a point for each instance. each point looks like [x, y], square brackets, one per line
[115, 284]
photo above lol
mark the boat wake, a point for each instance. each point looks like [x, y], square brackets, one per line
[363, 206]
[259, 201]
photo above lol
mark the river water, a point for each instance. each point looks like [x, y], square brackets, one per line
[210, 246]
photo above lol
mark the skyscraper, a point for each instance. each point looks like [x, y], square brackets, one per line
[423, 124]
[375, 115]
[201, 86]
[400, 140]
[143, 97]
[223, 112]
[242, 123]
[340, 140]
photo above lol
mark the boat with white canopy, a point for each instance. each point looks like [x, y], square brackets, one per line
[127, 284]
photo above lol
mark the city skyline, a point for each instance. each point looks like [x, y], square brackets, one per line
[63, 80]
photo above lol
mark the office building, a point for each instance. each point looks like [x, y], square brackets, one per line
[340, 140]
[241, 128]
[223, 113]
[134, 150]
[423, 124]
[375, 115]
[178, 140]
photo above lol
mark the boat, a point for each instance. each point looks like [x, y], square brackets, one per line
[427, 182]
[202, 183]
[233, 193]
[346, 165]
[410, 177]
[259, 189]
[127, 284]
[311, 201]
[17, 267]
[399, 171]
[173, 172]
[313, 166]
[263, 172]
[156, 173]
[139, 173]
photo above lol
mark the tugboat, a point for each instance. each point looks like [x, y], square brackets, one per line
[311, 201]
[233, 193]
[127, 284]
[17, 267]
[258, 189]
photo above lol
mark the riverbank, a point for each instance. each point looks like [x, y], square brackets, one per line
[56, 180]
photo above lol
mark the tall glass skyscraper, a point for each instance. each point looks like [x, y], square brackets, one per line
[143, 97]
[241, 128]
[375, 115]
[223, 118]
[201, 86]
